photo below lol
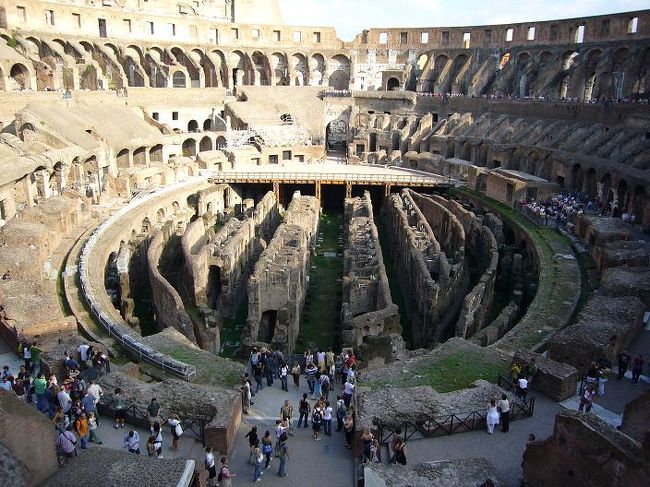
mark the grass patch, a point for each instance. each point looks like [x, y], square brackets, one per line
[452, 372]
[232, 330]
[321, 318]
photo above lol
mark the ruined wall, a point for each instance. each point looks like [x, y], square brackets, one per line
[636, 417]
[367, 309]
[606, 325]
[554, 379]
[580, 442]
[482, 250]
[167, 303]
[278, 285]
[430, 280]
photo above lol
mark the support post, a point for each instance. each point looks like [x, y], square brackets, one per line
[348, 190]
[317, 184]
[387, 188]
[276, 191]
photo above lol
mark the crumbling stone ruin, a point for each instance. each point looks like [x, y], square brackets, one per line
[276, 289]
[579, 442]
[368, 308]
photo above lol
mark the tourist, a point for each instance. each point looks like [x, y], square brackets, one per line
[88, 403]
[366, 439]
[325, 385]
[258, 375]
[522, 387]
[278, 360]
[375, 451]
[258, 458]
[303, 409]
[329, 360]
[283, 454]
[151, 446]
[81, 427]
[132, 442]
[515, 370]
[320, 356]
[351, 373]
[267, 449]
[637, 368]
[284, 372]
[397, 438]
[119, 408]
[316, 421]
[592, 374]
[95, 390]
[624, 359]
[6, 384]
[224, 477]
[269, 369]
[83, 353]
[280, 429]
[338, 367]
[35, 352]
[153, 411]
[40, 389]
[254, 358]
[492, 418]
[286, 414]
[316, 393]
[158, 439]
[26, 354]
[92, 429]
[340, 412]
[604, 368]
[67, 442]
[327, 419]
[6, 373]
[348, 390]
[400, 452]
[71, 364]
[245, 390]
[252, 440]
[310, 374]
[587, 398]
[503, 407]
[295, 372]
[209, 466]
[348, 428]
[309, 357]
[64, 400]
[177, 430]
[60, 420]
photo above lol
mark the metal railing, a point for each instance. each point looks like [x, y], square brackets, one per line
[124, 336]
[136, 416]
[401, 179]
[448, 424]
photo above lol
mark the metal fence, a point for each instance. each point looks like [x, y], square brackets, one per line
[313, 177]
[126, 338]
[448, 424]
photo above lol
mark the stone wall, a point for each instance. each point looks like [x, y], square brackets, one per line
[626, 281]
[367, 308]
[443, 473]
[605, 325]
[636, 418]
[278, 285]
[554, 379]
[588, 452]
[27, 434]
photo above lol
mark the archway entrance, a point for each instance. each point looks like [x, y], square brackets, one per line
[392, 84]
[267, 325]
[336, 136]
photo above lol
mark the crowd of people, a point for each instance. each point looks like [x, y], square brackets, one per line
[558, 209]
[546, 99]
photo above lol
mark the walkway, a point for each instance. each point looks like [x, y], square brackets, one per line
[325, 462]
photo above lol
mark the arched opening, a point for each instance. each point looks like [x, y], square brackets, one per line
[179, 80]
[432, 79]
[207, 124]
[372, 142]
[340, 72]
[577, 178]
[392, 84]
[112, 281]
[140, 156]
[205, 144]
[267, 325]
[395, 141]
[605, 188]
[214, 286]
[193, 126]
[122, 158]
[336, 135]
[156, 154]
[621, 194]
[189, 148]
[592, 187]
[20, 76]
[221, 142]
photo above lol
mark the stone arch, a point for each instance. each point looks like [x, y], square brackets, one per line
[155, 66]
[122, 158]
[577, 178]
[192, 126]
[395, 141]
[261, 69]
[606, 188]
[241, 69]
[392, 84]
[189, 147]
[140, 156]
[316, 69]
[219, 61]
[221, 143]
[205, 144]
[189, 64]
[21, 76]
[179, 80]
[618, 75]
[299, 69]
[591, 183]
[156, 154]
[591, 65]
[58, 177]
[432, 78]
[372, 142]
[280, 68]
[339, 68]
[522, 75]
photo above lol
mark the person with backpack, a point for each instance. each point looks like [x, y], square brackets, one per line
[325, 385]
[310, 374]
[67, 442]
[81, 427]
[303, 409]
[252, 441]
[258, 458]
[177, 430]
[283, 454]
[119, 408]
[316, 421]
[158, 439]
[225, 477]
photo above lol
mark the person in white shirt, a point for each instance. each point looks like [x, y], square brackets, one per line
[83, 352]
[522, 387]
[95, 390]
[327, 419]
[132, 441]
[64, 400]
[348, 390]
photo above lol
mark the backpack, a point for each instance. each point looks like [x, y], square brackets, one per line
[267, 448]
[317, 417]
[220, 476]
[260, 457]
[283, 436]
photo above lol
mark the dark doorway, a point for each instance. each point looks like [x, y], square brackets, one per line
[267, 325]
[214, 286]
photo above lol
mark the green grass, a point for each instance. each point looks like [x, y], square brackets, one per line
[452, 372]
[232, 329]
[321, 318]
